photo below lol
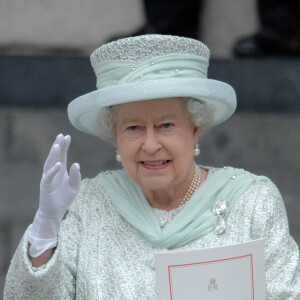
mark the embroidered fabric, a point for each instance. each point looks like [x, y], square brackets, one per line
[101, 256]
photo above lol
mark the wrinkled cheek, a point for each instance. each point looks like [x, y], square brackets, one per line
[132, 169]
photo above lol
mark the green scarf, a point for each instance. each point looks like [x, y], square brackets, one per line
[196, 218]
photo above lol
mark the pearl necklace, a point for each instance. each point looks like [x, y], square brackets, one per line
[193, 186]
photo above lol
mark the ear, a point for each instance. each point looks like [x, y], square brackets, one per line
[196, 133]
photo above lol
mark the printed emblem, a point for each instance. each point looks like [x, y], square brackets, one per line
[212, 285]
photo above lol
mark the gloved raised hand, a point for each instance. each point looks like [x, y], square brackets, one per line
[57, 191]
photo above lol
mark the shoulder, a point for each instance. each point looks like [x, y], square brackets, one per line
[263, 187]
[267, 200]
[263, 201]
[92, 185]
[258, 180]
[92, 193]
[258, 187]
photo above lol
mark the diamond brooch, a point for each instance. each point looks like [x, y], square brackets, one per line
[219, 209]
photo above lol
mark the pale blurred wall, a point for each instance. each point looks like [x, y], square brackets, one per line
[224, 24]
[27, 27]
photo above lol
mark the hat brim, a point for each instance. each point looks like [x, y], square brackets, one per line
[84, 110]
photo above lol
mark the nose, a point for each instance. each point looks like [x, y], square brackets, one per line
[151, 143]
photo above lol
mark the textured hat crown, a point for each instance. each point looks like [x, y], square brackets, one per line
[145, 47]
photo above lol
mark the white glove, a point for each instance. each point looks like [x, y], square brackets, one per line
[57, 191]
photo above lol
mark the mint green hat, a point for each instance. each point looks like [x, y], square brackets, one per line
[150, 67]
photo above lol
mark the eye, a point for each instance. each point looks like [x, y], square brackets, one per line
[166, 125]
[133, 127]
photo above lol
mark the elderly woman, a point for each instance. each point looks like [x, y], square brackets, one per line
[153, 102]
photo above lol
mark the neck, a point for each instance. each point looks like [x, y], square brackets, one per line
[165, 199]
[171, 197]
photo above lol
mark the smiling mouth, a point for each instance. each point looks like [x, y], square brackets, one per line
[155, 163]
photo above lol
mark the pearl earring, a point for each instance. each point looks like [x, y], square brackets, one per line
[118, 156]
[196, 150]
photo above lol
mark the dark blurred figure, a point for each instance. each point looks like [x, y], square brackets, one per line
[279, 33]
[180, 17]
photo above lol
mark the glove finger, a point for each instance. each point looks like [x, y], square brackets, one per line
[75, 176]
[65, 148]
[48, 178]
[52, 158]
[61, 141]
[58, 139]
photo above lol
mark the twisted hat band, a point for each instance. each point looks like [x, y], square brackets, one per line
[166, 66]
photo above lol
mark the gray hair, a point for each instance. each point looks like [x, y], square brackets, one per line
[200, 113]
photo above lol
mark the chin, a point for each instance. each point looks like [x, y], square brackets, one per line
[155, 184]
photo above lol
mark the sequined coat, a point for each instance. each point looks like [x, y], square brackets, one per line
[101, 256]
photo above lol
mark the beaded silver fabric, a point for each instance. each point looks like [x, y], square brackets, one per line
[101, 256]
[146, 47]
[165, 217]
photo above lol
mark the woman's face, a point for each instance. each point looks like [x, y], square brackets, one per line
[156, 141]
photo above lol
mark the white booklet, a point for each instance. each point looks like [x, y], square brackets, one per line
[234, 272]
